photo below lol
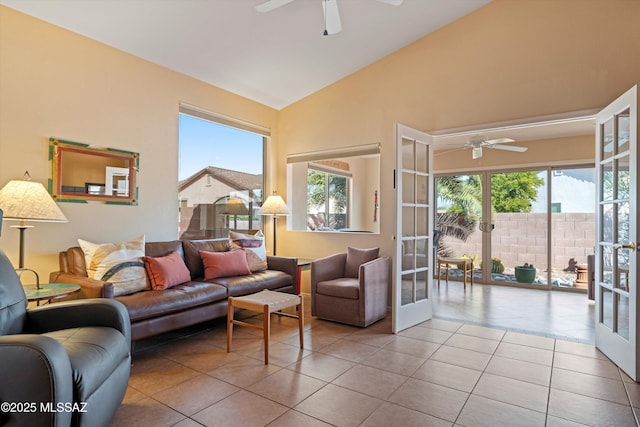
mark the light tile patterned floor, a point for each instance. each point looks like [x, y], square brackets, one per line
[439, 373]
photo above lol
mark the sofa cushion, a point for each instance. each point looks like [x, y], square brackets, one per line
[340, 288]
[192, 250]
[156, 249]
[255, 282]
[254, 247]
[118, 263]
[356, 257]
[150, 304]
[94, 352]
[166, 271]
[224, 264]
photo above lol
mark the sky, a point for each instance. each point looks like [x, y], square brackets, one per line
[203, 143]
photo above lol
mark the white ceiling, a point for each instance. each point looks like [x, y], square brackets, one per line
[274, 58]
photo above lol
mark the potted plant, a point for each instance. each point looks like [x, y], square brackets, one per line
[497, 266]
[525, 273]
[472, 261]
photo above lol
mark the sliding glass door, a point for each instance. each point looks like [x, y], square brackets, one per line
[532, 228]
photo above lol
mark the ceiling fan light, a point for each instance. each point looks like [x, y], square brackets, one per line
[476, 152]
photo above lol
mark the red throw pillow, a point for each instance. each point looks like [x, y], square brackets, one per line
[223, 264]
[166, 271]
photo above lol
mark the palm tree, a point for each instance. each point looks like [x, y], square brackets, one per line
[463, 196]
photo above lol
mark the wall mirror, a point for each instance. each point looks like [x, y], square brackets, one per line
[80, 173]
[335, 190]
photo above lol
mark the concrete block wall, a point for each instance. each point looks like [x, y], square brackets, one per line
[522, 237]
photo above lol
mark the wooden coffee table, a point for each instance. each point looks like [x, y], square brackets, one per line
[265, 302]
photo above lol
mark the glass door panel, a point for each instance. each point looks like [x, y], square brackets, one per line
[617, 224]
[411, 299]
[458, 217]
[519, 232]
[573, 222]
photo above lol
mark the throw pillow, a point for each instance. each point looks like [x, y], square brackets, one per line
[255, 249]
[166, 271]
[357, 257]
[224, 264]
[117, 263]
[192, 250]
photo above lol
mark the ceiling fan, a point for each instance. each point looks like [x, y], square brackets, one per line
[477, 145]
[332, 22]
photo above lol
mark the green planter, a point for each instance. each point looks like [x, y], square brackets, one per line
[525, 274]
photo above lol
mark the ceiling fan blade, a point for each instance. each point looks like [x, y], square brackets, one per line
[476, 152]
[331, 17]
[269, 5]
[509, 148]
[498, 141]
[392, 2]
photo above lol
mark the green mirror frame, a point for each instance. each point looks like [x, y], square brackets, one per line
[81, 174]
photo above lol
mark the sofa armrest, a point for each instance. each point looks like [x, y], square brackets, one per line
[284, 264]
[374, 280]
[89, 288]
[79, 313]
[328, 268]
[34, 369]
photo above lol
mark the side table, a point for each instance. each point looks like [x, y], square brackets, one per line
[304, 264]
[49, 291]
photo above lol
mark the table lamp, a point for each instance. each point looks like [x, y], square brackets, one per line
[274, 205]
[26, 200]
[233, 206]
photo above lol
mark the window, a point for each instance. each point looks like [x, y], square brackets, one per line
[327, 200]
[221, 174]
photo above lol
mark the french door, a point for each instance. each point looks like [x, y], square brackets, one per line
[617, 232]
[413, 264]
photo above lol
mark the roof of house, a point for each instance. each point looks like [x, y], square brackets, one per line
[240, 181]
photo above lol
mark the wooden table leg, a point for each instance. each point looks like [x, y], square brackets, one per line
[464, 274]
[266, 326]
[301, 323]
[229, 323]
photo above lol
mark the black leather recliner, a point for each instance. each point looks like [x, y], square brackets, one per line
[60, 364]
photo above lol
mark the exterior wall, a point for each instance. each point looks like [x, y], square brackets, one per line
[521, 237]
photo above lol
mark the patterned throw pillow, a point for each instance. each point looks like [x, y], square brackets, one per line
[254, 246]
[117, 263]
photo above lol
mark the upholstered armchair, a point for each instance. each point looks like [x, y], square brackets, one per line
[60, 364]
[350, 287]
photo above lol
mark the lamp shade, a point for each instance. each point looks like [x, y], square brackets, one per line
[233, 206]
[29, 201]
[274, 205]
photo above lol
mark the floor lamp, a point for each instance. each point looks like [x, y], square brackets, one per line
[25, 200]
[274, 205]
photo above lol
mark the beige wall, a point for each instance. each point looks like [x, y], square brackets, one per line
[508, 60]
[56, 83]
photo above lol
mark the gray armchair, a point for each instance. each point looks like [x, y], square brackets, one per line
[350, 287]
[61, 364]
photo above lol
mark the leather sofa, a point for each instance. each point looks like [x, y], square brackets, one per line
[154, 312]
[64, 364]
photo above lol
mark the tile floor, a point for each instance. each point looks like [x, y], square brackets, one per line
[439, 373]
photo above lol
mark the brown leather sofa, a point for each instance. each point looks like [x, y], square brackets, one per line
[154, 312]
